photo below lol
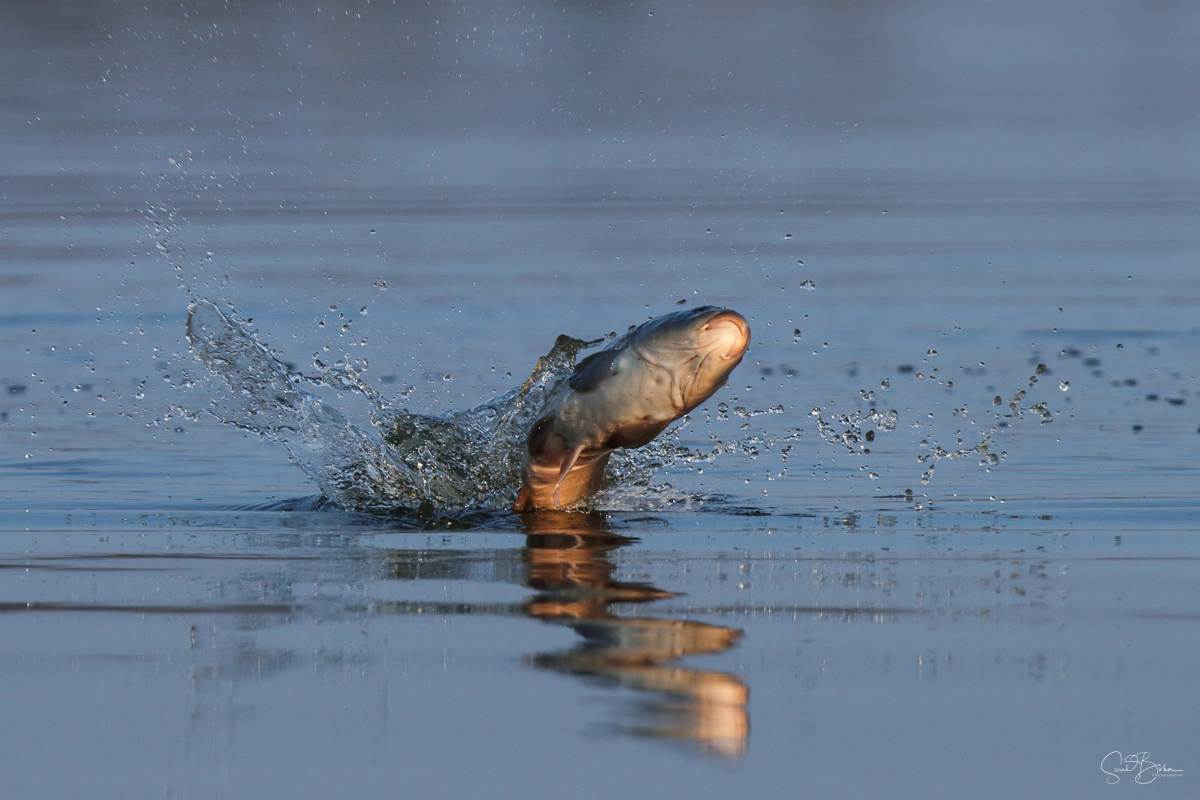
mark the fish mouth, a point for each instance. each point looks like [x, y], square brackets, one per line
[726, 334]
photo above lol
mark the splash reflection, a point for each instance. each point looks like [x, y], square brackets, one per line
[569, 563]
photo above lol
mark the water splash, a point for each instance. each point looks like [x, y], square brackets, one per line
[264, 396]
[988, 459]
[461, 460]
[856, 431]
[847, 429]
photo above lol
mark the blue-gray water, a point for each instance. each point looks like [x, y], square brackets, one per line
[952, 198]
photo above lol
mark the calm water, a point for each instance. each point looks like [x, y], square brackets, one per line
[924, 207]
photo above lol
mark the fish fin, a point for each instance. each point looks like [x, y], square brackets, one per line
[568, 461]
[594, 370]
[524, 500]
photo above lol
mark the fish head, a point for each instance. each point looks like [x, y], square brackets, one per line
[697, 348]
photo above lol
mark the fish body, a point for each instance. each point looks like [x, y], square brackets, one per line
[624, 396]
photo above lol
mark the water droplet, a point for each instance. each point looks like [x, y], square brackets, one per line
[1064, 385]
[808, 286]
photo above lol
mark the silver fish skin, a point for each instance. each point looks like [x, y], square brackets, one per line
[624, 396]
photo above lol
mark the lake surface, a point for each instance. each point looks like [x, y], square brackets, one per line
[981, 216]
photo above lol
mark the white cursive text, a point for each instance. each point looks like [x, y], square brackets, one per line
[1144, 770]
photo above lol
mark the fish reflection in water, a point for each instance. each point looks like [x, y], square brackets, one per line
[568, 558]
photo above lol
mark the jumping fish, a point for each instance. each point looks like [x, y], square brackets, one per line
[624, 396]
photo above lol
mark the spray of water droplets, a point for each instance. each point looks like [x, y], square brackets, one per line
[461, 460]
